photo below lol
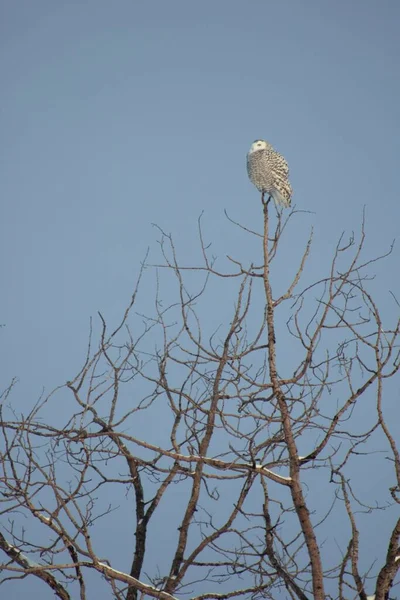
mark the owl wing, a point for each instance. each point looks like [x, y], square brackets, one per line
[281, 167]
[280, 179]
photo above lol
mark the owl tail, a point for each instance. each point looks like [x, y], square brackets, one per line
[280, 200]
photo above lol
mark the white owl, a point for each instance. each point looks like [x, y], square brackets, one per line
[269, 172]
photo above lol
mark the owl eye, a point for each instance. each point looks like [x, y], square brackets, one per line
[259, 144]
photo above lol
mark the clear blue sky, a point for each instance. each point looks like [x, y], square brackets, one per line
[117, 115]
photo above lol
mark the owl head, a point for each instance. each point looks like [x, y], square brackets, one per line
[259, 145]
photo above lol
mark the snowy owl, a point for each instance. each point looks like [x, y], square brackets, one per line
[269, 172]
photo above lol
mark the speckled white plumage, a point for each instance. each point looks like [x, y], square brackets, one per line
[269, 172]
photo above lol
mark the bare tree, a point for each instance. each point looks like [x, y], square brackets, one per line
[221, 443]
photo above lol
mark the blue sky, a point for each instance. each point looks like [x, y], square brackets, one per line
[117, 115]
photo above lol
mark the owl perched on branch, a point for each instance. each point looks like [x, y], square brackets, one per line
[269, 172]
